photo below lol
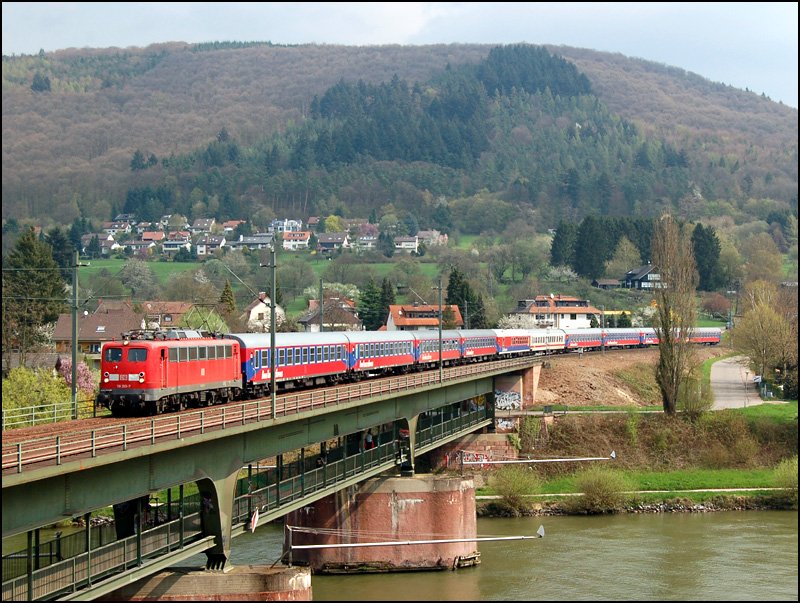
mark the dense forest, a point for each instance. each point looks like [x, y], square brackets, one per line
[461, 137]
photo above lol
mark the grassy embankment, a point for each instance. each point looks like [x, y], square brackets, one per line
[662, 459]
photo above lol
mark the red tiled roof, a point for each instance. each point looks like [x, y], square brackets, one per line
[408, 315]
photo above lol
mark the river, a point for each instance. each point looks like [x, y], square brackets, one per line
[722, 556]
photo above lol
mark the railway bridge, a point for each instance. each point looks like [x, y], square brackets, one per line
[50, 479]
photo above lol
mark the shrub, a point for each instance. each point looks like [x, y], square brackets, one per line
[512, 483]
[26, 387]
[785, 476]
[604, 491]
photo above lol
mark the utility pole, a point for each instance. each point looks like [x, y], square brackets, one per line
[602, 329]
[273, 353]
[75, 267]
[440, 329]
[321, 307]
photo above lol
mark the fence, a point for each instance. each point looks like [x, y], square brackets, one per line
[28, 416]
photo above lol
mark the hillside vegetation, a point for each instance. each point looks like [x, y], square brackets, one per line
[235, 129]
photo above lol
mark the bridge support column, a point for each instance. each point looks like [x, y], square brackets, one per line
[383, 509]
[407, 467]
[216, 516]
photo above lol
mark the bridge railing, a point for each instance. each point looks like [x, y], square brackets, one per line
[90, 443]
[83, 569]
[87, 567]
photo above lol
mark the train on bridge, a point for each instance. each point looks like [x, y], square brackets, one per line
[149, 373]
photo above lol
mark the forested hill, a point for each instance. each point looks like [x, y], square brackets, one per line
[254, 130]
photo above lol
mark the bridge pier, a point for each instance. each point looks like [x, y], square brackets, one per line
[384, 509]
[216, 516]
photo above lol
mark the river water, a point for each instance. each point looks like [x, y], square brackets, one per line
[722, 556]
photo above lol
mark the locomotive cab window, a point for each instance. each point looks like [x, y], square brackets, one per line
[113, 354]
[137, 354]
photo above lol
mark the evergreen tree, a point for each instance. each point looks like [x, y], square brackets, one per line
[562, 249]
[93, 249]
[63, 252]
[387, 298]
[227, 301]
[32, 295]
[706, 247]
[386, 244]
[138, 162]
[370, 309]
[41, 83]
[469, 303]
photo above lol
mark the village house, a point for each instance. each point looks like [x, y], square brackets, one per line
[421, 317]
[257, 315]
[176, 241]
[338, 314]
[406, 244]
[643, 277]
[261, 240]
[202, 225]
[107, 323]
[208, 244]
[296, 240]
[330, 241]
[558, 311]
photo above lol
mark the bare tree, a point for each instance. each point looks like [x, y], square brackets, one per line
[676, 312]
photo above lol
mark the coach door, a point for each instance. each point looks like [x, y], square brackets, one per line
[163, 362]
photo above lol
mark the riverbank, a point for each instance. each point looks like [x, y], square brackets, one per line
[767, 499]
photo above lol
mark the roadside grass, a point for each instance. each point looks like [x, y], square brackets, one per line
[780, 412]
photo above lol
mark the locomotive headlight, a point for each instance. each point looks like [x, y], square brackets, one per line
[141, 377]
[105, 377]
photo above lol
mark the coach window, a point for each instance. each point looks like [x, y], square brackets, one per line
[281, 359]
[113, 354]
[137, 355]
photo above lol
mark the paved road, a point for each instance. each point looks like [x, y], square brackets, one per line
[732, 384]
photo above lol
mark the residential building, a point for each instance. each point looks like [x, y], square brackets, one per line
[202, 225]
[296, 240]
[257, 315]
[406, 244]
[432, 238]
[559, 311]
[164, 314]
[338, 314]
[177, 240]
[260, 240]
[116, 228]
[643, 277]
[286, 225]
[231, 225]
[208, 244]
[154, 235]
[420, 317]
[107, 323]
[329, 241]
